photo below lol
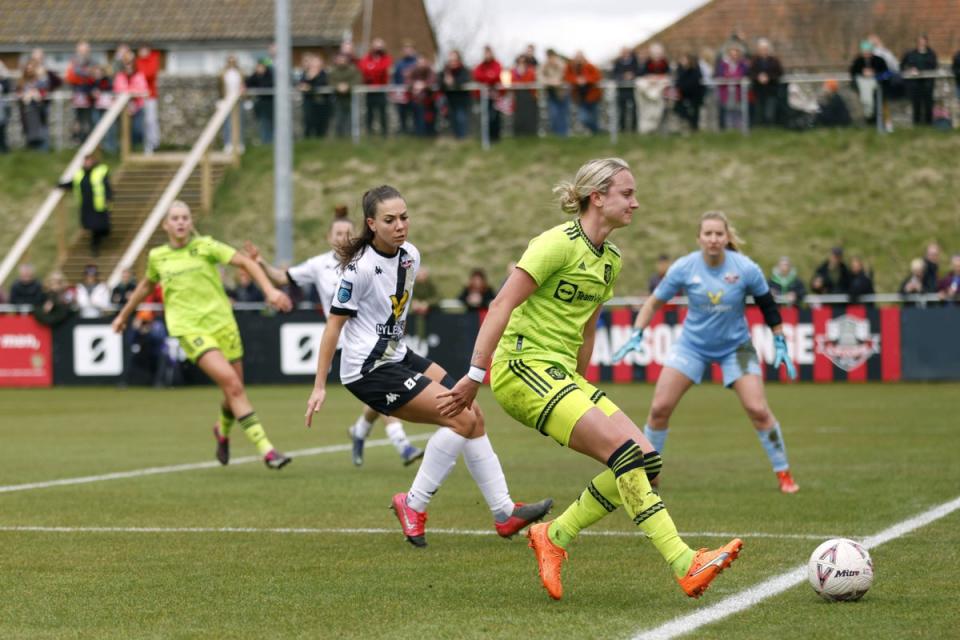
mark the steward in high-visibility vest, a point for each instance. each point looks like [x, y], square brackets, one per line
[91, 188]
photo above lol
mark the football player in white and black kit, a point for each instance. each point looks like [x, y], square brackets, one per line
[323, 272]
[370, 308]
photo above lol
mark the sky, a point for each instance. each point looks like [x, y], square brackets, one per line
[597, 27]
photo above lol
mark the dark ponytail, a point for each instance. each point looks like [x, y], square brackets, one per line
[354, 248]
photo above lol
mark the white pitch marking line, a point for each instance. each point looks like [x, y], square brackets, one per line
[778, 584]
[365, 530]
[193, 466]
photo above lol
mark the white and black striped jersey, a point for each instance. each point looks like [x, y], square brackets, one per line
[375, 291]
[323, 272]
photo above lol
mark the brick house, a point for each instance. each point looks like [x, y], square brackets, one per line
[816, 34]
[196, 36]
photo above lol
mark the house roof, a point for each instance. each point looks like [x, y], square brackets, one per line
[29, 22]
[816, 34]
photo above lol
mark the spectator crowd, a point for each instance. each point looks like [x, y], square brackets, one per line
[426, 96]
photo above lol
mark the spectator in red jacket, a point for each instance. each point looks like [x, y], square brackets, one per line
[375, 68]
[488, 73]
[80, 78]
[148, 63]
[526, 114]
[584, 80]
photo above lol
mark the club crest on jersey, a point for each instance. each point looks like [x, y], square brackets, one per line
[731, 278]
[715, 297]
[607, 273]
[406, 262]
[399, 303]
[345, 291]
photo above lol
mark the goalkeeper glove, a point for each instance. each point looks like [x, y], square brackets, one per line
[632, 344]
[780, 356]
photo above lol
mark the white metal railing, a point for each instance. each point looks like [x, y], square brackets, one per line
[200, 147]
[53, 198]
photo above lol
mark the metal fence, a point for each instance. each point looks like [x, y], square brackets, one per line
[649, 105]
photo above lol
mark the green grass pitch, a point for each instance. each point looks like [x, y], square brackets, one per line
[866, 457]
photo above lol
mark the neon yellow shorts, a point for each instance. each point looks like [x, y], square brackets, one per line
[545, 396]
[226, 339]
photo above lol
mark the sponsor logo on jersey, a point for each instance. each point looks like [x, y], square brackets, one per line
[399, 303]
[588, 297]
[848, 342]
[715, 297]
[607, 273]
[556, 373]
[565, 291]
[731, 278]
[345, 291]
[392, 330]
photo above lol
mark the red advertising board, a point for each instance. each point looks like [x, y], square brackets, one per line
[25, 352]
[851, 343]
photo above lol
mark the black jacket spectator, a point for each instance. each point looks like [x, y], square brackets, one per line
[124, 288]
[880, 70]
[923, 59]
[956, 69]
[861, 284]
[834, 273]
[27, 289]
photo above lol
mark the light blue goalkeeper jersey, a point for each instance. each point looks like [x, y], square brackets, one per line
[715, 324]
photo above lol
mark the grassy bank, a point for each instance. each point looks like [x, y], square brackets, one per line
[882, 197]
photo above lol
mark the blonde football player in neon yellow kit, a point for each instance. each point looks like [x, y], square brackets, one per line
[542, 325]
[198, 313]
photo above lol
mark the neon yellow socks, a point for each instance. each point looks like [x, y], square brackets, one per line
[599, 498]
[227, 420]
[252, 428]
[646, 509]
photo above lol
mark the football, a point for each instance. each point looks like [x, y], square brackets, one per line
[840, 570]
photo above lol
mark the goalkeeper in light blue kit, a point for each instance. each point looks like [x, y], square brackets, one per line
[716, 281]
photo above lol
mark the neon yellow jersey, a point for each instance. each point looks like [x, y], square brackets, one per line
[574, 277]
[194, 301]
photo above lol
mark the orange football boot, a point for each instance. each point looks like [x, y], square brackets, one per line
[550, 558]
[707, 565]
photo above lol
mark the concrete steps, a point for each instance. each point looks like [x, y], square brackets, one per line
[137, 186]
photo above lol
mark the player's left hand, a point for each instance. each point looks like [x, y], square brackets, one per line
[279, 300]
[452, 402]
[633, 343]
[313, 405]
[780, 356]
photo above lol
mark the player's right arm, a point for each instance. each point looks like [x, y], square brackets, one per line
[328, 346]
[143, 289]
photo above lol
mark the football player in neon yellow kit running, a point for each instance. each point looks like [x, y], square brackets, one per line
[542, 325]
[198, 313]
